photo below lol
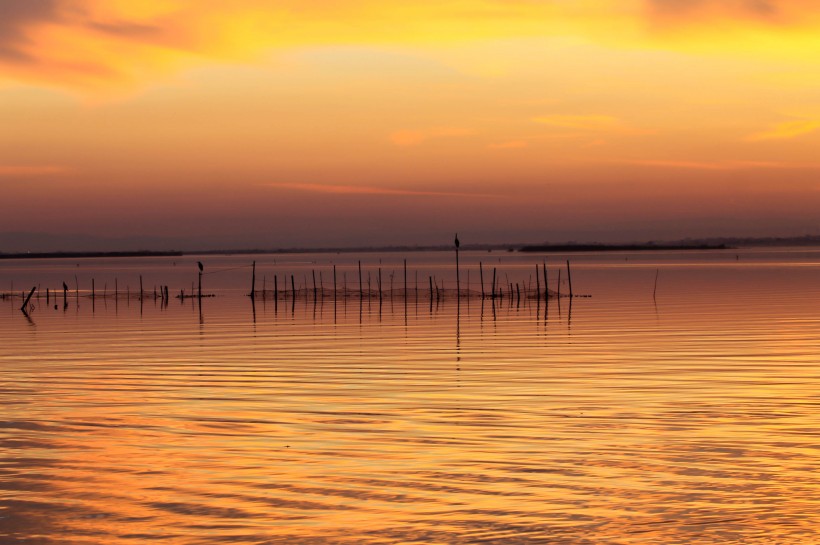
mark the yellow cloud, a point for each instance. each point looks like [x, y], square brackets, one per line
[786, 130]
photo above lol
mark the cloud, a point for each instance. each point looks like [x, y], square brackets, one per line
[16, 16]
[370, 190]
[406, 138]
[581, 122]
[31, 170]
[712, 165]
[676, 8]
[86, 44]
[512, 144]
[785, 131]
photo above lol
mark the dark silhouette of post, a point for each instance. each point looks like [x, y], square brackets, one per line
[253, 285]
[546, 286]
[361, 289]
[569, 278]
[65, 295]
[458, 276]
[481, 278]
[199, 291]
[28, 298]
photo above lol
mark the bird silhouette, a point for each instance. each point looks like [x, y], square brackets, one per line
[457, 242]
[65, 287]
[199, 264]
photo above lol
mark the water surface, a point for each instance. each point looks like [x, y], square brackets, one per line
[690, 417]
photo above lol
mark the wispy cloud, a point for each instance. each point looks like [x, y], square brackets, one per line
[512, 144]
[371, 190]
[31, 170]
[582, 122]
[786, 130]
[405, 138]
[713, 165]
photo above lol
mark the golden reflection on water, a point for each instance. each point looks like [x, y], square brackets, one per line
[618, 419]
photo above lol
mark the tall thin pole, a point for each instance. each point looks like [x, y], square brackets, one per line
[253, 283]
[361, 289]
[458, 276]
[546, 286]
[481, 278]
[569, 278]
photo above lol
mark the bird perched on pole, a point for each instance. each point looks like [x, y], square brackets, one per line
[457, 242]
[199, 264]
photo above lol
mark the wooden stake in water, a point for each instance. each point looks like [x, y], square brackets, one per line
[200, 285]
[361, 288]
[493, 285]
[405, 280]
[334, 283]
[313, 271]
[569, 278]
[28, 298]
[253, 282]
[546, 285]
[458, 277]
[199, 291]
[655, 291]
[481, 278]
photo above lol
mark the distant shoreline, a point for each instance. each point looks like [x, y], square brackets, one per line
[563, 248]
[86, 255]
[556, 248]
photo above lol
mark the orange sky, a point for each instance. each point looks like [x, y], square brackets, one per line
[257, 123]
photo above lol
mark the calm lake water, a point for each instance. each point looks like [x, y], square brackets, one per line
[691, 417]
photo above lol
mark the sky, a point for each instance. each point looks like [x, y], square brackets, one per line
[270, 124]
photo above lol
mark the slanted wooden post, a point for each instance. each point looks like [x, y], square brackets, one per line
[28, 298]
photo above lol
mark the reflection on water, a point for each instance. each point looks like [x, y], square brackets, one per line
[691, 418]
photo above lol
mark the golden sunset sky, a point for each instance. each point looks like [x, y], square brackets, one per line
[314, 123]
